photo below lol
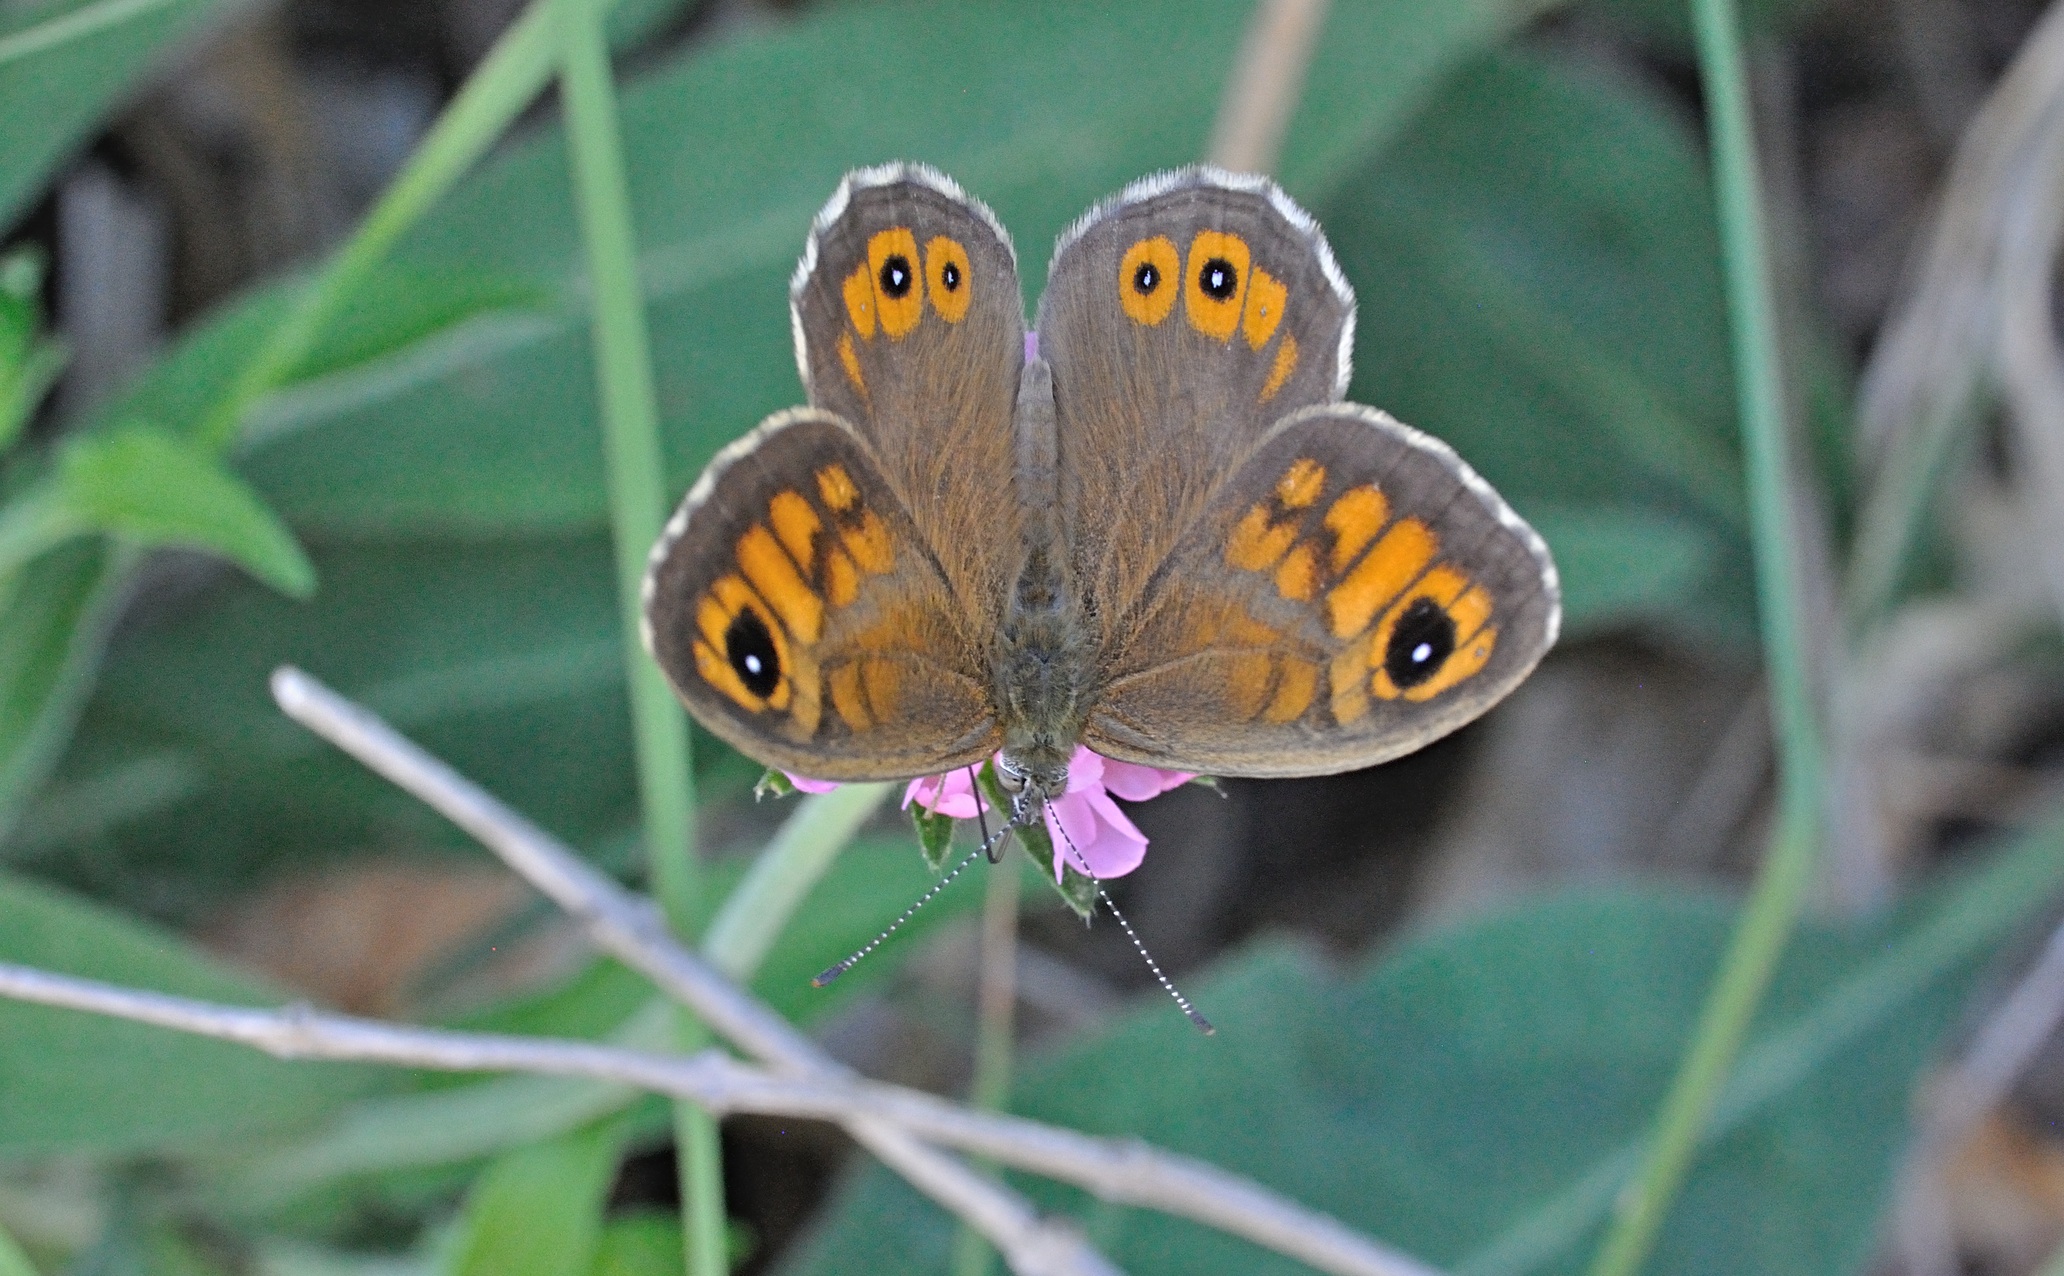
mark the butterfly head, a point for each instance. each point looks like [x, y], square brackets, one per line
[1032, 776]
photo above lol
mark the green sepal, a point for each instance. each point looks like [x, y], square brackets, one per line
[934, 835]
[773, 783]
[1211, 782]
[1075, 888]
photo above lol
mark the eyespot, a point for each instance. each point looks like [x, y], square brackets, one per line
[749, 649]
[891, 264]
[1420, 643]
[1146, 280]
[1216, 283]
[896, 276]
[947, 279]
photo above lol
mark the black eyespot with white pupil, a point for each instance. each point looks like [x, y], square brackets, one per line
[750, 650]
[1218, 279]
[949, 277]
[896, 277]
[1420, 643]
[1145, 279]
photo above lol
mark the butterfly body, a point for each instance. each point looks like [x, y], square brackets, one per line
[1155, 528]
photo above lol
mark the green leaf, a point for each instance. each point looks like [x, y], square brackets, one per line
[648, 1243]
[29, 365]
[154, 488]
[1067, 113]
[54, 615]
[75, 1082]
[934, 836]
[1552, 229]
[64, 65]
[12, 1261]
[1476, 1097]
[1621, 565]
[537, 1211]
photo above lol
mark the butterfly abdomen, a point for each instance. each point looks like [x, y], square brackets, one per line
[1045, 663]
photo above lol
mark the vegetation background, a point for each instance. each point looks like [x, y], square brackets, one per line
[1452, 992]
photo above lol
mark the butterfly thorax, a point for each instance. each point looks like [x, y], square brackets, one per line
[1044, 661]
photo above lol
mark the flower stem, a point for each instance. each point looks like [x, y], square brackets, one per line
[1788, 867]
[637, 495]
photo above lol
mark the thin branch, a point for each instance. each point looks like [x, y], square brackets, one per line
[890, 1121]
[1122, 1170]
[1266, 82]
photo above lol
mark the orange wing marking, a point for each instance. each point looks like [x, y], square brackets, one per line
[1280, 370]
[1215, 283]
[1147, 280]
[898, 288]
[1265, 298]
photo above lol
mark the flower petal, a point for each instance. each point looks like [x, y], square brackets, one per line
[804, 784]
[1085, 770]
[950, 794]
[1092, 835]
[1136, 783]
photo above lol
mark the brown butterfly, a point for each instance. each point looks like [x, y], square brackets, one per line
[1153, 527]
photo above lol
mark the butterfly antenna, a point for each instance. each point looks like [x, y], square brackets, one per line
[982, 815]
[1202, 1024]
[841, 968]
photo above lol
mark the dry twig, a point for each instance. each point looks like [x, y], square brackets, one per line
[630, 929]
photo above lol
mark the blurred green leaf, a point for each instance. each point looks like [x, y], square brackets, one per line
[537, 1211]
[1045, 109]
[53, 615]
[643, 1244]
[1621, 565]
[155, 488]
[64, 65]
[29, 364]
[648, 1243]
[77, 1082]
[12, 1261]
[1484, 1082]
[1542, 246]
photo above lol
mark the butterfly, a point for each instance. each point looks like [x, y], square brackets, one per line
[1151, 525]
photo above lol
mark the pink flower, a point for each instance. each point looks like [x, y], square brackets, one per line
[804, 784]
[1089, 832]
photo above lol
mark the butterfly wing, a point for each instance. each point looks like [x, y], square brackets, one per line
[794, 607]
[1279, 583]
[909, 324]
[827, 596]
[1181, 318]
[1353, 592]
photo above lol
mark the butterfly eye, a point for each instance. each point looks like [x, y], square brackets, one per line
[1420, 643]
[749, 649]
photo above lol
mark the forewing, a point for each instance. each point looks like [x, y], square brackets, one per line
[909, 324]
[798, 611]
[1352, 593]
[1181, 319]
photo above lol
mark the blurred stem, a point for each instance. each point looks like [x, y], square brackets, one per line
[12, 1261]
[757, 909]
[514, 72]
[1789, 864]
[995, 1035]
[637, 499]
